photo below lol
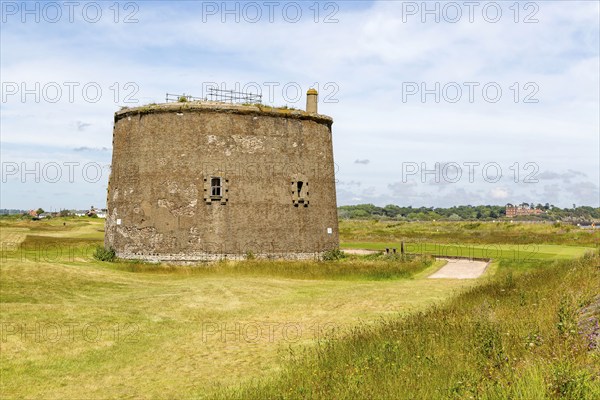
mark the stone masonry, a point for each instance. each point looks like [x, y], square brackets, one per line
[194, 181]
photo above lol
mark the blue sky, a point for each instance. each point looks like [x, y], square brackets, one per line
[371, 62]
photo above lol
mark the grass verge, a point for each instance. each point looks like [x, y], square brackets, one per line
[375, 267]
[517, 336]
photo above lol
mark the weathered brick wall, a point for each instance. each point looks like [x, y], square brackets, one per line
[159, 204]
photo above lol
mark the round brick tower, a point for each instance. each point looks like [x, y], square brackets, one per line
[194, 181]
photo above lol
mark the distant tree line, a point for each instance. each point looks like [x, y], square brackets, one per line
[460, 213]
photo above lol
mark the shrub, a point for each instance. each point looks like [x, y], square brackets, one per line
[567, 317]
[103, 254]
[333, 255]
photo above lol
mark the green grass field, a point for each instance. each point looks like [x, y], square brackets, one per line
[467, 233]
[496, 240]
[75, 327]
[522, 252]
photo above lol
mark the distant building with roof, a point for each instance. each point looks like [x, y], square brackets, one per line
[521, 210]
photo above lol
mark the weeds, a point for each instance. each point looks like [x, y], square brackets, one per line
[570, 382]
[333, 255]
[567, 317]
[103, 254]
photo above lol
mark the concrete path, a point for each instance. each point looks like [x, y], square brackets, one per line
[454, 268]
[460, 269]
[360, 252]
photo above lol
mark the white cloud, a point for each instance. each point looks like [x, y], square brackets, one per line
[499, 193]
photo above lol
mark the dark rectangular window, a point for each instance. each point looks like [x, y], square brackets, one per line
[215, 187]
[299, 186]
[299, 193]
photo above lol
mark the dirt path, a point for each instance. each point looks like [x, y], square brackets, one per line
[460, 269]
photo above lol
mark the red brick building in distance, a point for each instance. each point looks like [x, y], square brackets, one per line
[521, 210]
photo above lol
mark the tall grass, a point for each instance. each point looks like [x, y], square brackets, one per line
[372, 267]
[516, 336]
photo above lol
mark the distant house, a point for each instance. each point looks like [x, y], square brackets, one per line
[521, 210]
[98, 212]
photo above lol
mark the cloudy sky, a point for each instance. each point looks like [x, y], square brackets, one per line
[434, 104]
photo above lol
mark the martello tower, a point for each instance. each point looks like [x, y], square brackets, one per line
[205, 180]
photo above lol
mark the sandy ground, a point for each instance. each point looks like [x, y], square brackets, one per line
[460, 269]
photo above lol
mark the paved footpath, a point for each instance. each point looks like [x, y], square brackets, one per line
[460, 269]
[454, 269]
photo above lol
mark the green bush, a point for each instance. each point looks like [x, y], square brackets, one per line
[103, 254]
[567, 317]
[333, 255]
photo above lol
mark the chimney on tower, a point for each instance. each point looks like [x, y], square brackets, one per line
[311, 101]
